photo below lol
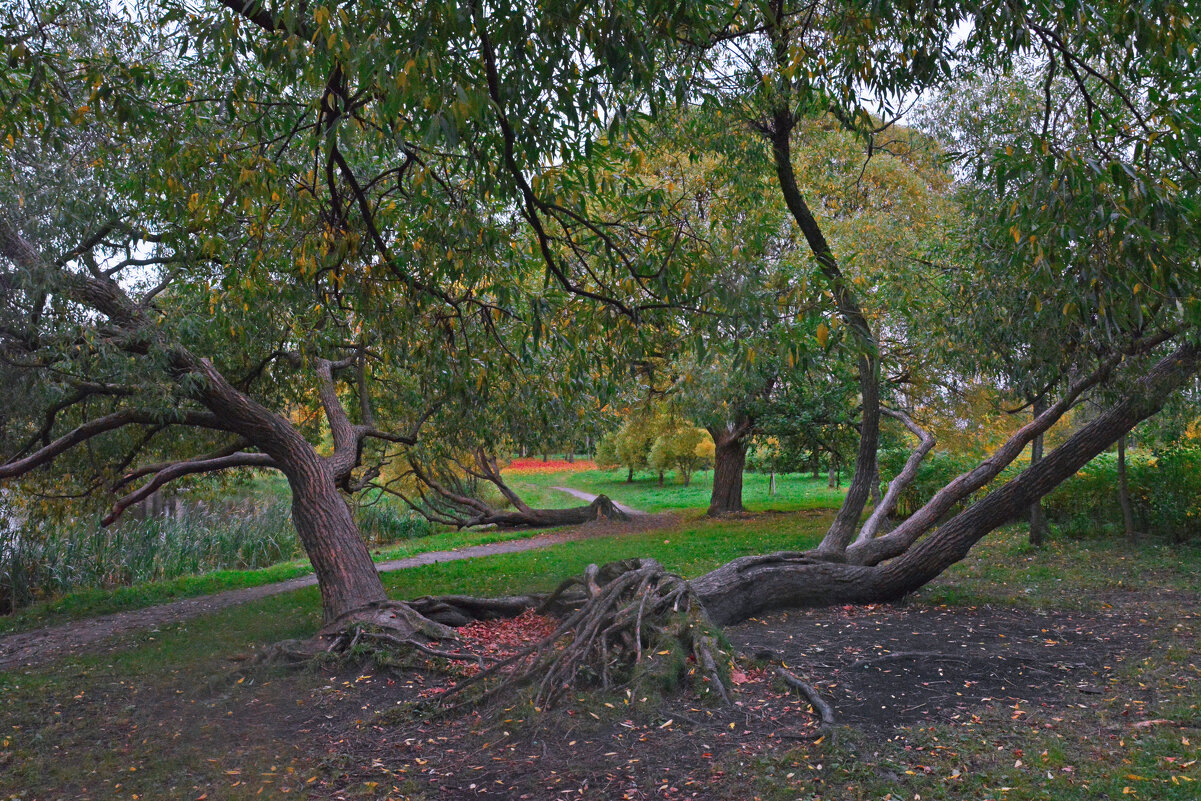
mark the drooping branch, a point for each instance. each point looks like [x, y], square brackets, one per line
[902, 480]
[82, 392]
[188, 468]
[453, 505]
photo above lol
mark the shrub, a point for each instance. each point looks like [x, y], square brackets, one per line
[1165, 494]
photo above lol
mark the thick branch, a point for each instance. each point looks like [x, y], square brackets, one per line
[94, 428]
[925, 518]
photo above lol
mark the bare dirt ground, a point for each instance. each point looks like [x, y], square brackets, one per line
[887, 669]
[39, 646]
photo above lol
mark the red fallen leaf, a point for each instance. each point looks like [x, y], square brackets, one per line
[738, 677]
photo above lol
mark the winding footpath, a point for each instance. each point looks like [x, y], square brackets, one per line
[36, 647]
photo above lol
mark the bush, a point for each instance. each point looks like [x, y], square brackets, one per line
[1165, 494]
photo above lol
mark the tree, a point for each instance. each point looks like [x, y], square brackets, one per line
[684, 449]
[270, 191]
[338, 169]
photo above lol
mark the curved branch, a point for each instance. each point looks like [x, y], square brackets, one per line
[149, 469]
[902, 480]
[899, 539]
[94, 428]
[181, 469]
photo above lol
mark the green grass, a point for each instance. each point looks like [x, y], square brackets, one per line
[794, 491]
[1064, 573]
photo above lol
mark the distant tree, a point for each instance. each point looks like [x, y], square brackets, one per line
[684, 449]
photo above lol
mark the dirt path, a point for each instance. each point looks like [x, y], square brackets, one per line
[589, 498]
[39, 646]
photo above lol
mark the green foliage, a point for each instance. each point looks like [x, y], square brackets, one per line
[685, 449]
[938, 470]
[1165, 494]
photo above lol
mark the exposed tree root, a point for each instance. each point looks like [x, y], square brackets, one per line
[627, 622]
[820, 705]
[393, 623]
[621, 625]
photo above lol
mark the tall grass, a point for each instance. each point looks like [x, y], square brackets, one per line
[44, 563]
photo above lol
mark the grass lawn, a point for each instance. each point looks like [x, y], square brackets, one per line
[793, 491]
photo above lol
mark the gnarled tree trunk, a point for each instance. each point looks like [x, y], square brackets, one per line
[331, 539]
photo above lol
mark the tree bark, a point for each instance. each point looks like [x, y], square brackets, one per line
[1124, 493]
[842, 531]
[1038, 519]
[323, 520]
[908, 473]
[729, 460]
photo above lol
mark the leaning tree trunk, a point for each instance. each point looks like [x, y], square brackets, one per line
[729, 461]
[323, 520]
[345, 573]
[754, 584]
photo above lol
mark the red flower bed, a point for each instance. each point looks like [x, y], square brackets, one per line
[535, 465]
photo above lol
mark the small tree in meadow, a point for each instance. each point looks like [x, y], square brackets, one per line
[685, 449]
